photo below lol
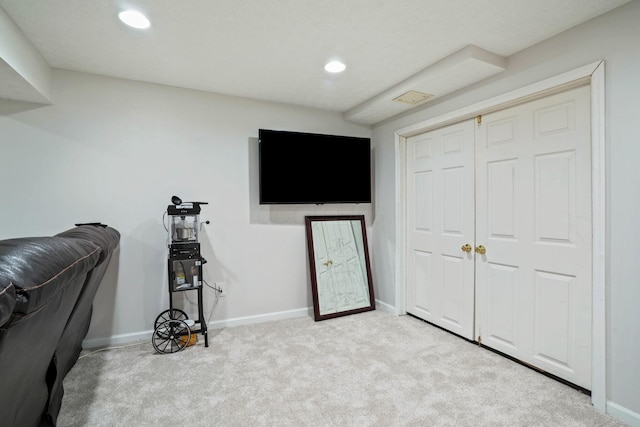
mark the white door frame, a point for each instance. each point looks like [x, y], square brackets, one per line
[592, 74]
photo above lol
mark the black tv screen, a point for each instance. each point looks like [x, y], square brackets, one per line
[302, 168]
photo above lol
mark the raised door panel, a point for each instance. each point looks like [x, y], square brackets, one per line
[502, 290]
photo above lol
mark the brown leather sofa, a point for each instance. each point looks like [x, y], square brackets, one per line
[47, 287]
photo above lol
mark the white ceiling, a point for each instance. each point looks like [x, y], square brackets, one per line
[275, 50]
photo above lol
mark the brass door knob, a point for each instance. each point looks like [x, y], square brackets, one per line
[466, 248]
[481, 250]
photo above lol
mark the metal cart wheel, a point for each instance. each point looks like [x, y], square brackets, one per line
[171, 336]
[170, 314]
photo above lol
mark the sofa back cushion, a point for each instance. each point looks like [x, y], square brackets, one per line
[107, 238]
[38, 266]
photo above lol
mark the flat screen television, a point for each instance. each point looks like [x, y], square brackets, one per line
[310, 168]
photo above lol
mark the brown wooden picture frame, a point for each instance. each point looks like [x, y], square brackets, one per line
[339, 264]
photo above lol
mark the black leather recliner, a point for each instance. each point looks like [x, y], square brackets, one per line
[70, 344]
[47, 286]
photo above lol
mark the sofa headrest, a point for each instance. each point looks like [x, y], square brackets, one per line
[105, 237]
[40, 267]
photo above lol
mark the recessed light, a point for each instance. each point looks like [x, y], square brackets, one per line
[134, 19]
[335, 67]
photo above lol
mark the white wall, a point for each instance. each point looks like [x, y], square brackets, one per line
[115, 151]
[27, 73]
[613, 37]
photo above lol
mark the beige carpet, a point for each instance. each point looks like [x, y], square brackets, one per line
[368, 369]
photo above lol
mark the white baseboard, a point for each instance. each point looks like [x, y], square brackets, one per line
[260, 318]
[623, 414]
[385, 307]
[117, 340]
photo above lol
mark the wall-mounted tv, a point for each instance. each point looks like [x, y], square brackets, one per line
[304, 168]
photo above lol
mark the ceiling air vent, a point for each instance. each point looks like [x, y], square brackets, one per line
[413, 97]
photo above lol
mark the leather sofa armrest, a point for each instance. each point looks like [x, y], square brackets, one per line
[7, 300]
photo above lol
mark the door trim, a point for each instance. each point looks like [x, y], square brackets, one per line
[594, 75]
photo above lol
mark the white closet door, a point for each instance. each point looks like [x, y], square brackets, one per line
[533, 207]
[440, 220]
